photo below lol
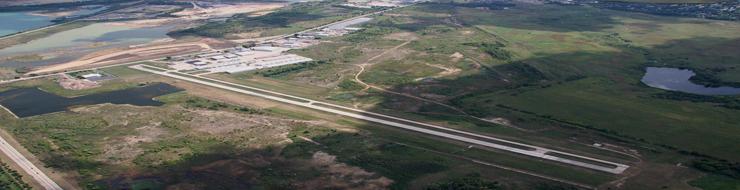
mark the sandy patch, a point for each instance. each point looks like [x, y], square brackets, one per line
[53, 14]
[254, 131]
[447, 70]
[343, 176]
[248, 34]
[143, 23]
[227, 10]
[125, 149]
[103, 57]
[455, 57]
[403, 36]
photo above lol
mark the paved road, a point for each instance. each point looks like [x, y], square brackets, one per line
[27, 166]
[472, 138]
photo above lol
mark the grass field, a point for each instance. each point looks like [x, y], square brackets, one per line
[716, 182]
[566, 76]
[193, 142]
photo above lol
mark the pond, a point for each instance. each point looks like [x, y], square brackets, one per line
[88, 36]
[674, 79]
[14, 22]
[26, 102]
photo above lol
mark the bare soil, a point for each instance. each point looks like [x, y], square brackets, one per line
[71, 83]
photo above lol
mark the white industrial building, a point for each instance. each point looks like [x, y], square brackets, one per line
[240, 60]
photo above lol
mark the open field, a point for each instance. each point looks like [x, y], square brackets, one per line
[558, 76]
[270, 145]
[565, 78]
[292, 18]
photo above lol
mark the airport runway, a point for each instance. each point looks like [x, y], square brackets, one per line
[37, 174]
[439, 131]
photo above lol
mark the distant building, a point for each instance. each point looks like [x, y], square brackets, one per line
[268, 49]
[196, 63]
[92, 75]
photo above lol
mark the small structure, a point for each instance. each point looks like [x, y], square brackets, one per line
[92, 76]
[196, 62]
[268, 49]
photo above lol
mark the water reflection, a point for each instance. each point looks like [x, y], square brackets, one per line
[678, 80]
[25, 102]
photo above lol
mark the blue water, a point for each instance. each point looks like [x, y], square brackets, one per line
[26, 102]
[678, 80]
[86, 36]
[135, 35]
[13, 22]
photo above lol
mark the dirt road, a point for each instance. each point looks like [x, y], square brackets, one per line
[99, 60]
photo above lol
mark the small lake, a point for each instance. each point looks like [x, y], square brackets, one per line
[88, 36]
[26, 102]
[14, 22]
[674, 79]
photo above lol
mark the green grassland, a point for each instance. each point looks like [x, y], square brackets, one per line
[124, 146]
[570, 75]
[192, 142]
[565, 78]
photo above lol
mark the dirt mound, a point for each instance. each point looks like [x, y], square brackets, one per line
[455, 57]
[71, 83]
